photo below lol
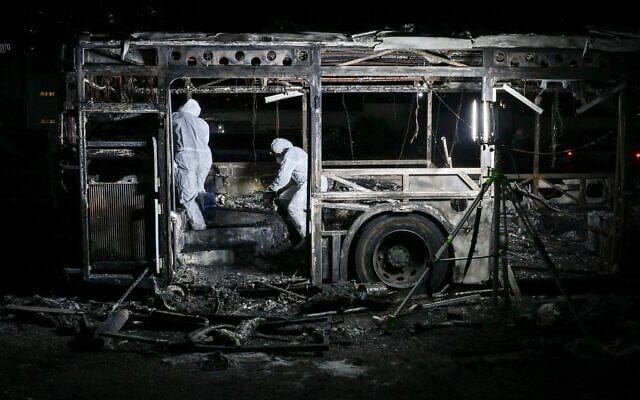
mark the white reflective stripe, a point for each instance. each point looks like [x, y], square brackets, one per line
[185, 149]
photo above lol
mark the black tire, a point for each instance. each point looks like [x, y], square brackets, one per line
[395, 249]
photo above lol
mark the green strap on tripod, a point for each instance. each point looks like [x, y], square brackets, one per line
[497, 177]
[391, 318]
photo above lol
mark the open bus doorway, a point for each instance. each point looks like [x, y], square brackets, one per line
[244, 235]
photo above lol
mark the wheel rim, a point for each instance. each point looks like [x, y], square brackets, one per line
[400, 257]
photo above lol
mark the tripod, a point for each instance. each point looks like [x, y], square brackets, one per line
[503, 190]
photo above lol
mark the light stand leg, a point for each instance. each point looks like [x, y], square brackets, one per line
[503, 249]
[474, 240]
[498, 252]
[483, 189]
[545, 256]
[495, 248]
[508, 272]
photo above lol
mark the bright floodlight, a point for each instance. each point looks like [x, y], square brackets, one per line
[474, 121]
[485, 121]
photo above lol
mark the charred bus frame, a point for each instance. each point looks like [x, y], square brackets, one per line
[134, 76]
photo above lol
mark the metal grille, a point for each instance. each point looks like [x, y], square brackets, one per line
[116, 222]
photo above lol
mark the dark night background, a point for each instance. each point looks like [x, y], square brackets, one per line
[36, 32]
[525, 359]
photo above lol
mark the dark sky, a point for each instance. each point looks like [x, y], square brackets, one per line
[53, 19]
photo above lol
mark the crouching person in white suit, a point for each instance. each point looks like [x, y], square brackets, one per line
[290, 185]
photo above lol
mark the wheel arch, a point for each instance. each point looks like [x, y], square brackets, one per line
[425, 210]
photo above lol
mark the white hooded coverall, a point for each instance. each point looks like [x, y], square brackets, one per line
[293, 173]
[192, 157]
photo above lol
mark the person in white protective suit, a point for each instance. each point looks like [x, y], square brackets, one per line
[192, 159]
[291, 182]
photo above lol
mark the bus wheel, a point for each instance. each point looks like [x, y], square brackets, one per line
[395, 250]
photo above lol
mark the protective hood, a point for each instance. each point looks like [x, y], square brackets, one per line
[191, 107]
[278, 146]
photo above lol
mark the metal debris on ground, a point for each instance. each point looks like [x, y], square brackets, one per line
[572, 254]
[211, 324]
[220, 341]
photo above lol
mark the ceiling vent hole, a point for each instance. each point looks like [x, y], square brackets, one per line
[302, 55]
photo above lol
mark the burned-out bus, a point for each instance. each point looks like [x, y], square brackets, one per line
[386, 118]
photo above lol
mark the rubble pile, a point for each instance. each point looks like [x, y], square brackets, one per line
[219, 319]
[240, 313]
[565, 238]
[250, 322]
[251, 201]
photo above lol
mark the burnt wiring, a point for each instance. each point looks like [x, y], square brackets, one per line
[406, 132]
[458, 119]
[451, 110]
[253, 127]
[528, 193]
[415, 135]
[513, 162]
[436, 130]
[456, 137]
[346, 114]
[557, 127]
[546, 153]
